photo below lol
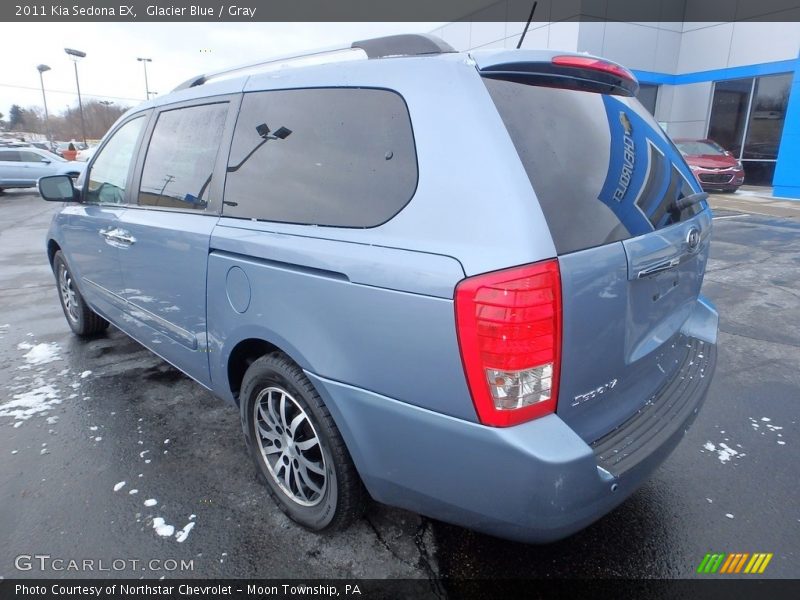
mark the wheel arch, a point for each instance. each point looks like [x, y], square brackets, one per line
[242, 355]
[52, 248]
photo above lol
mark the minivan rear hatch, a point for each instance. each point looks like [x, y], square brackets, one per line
[628, 220]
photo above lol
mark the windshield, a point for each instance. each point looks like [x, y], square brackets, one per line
[699, 148]
[54, 156]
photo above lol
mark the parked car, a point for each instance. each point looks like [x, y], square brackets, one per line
[22, 167]
[86, 155]
[44, 146]
[411, 295]
[715, 167]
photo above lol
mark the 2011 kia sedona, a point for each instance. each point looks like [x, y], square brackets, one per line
[391, 266]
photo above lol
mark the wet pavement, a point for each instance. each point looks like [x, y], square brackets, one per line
[79, 418]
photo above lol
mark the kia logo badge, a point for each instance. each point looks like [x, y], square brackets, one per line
[693, 239]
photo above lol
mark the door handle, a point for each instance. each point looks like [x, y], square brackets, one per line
[118, 236]
[659, 267]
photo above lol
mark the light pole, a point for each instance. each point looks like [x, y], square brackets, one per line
[75, 55]
[144, 62]
[42, 69]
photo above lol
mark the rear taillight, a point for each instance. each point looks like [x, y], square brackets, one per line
[509, 332]
[594, 64]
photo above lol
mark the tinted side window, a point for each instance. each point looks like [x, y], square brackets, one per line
[180, 158]
[339, 157]
[31, 157]
[9, 155]
[109, 173]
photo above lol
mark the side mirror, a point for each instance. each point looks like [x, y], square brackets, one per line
[57, 188]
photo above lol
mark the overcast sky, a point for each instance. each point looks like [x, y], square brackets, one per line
[179, 51]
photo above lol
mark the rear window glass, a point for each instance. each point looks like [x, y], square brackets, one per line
[601, 167]
[328, 156]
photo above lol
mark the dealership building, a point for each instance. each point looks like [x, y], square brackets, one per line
[737, 83]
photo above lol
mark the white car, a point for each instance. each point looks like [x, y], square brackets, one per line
[86, 155]
[22, 167]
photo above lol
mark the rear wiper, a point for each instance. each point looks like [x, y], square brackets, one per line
[683, 203]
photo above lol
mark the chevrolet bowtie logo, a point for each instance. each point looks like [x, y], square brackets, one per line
[626, 123]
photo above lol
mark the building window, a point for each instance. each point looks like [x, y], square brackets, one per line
[648, 94]
[747, 118]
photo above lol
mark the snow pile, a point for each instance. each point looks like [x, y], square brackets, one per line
[39, 354]
[39, 399]
[724, 452]
[184, 533]
[162, 528]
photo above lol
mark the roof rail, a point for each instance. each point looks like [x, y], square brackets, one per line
[394, 45]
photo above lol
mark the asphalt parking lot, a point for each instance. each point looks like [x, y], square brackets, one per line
[94, 432]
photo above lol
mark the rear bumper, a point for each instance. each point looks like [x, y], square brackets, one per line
[536, 482]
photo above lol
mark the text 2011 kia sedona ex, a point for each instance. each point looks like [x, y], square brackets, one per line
[394, 268]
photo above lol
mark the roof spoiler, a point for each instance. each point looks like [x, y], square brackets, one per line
[571, 71]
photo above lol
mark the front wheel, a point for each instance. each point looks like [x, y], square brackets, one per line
[297, 447]
[81, 319]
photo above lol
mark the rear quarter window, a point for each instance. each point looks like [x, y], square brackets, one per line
[340, 157]
[601, 167]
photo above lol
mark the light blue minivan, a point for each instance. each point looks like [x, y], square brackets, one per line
[465, 284]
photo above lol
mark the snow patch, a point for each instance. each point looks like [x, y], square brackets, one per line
[40, 354]
[119, 486]
[26, 404]
[150, 502]
[162, 528]
[85, 374]
[724, 452]
[184, 533]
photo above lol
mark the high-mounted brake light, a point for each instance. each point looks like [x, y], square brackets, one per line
[509, 332]
[594, 64]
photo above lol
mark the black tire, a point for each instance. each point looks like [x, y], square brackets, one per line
[343, 498]
[81, 319]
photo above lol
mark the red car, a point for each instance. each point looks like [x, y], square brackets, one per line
[714, 167]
